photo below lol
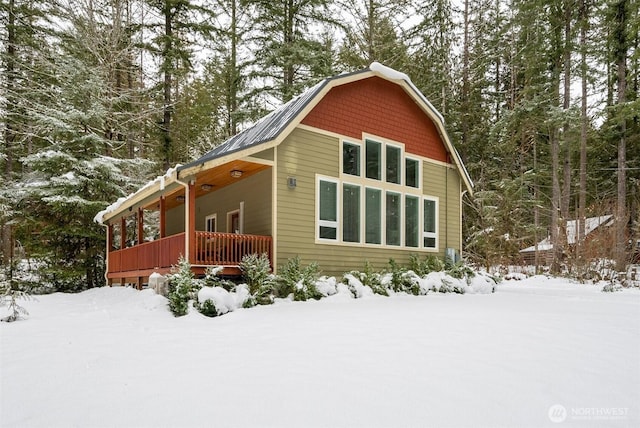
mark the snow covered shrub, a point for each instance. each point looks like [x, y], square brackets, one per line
[212, 278]
[458, 270]
[611, 288]
[214, 301]
[183, 287]
[261, 283]
[255, 271]
[368, 278]
[400, 280]
[355, 286]
[208, 308]
[423, 267]
[299, 281]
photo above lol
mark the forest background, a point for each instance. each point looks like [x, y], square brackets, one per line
[540, 97]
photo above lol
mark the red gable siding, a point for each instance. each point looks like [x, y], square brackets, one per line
[382, 108]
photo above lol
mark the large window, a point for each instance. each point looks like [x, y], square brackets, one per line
[373, 216]
[328, 207]
[394, 157]
[393, 218]
[412, 173]
[412, 221]
[351, 158]
[373, 153]
[430, 223]
[350, 213]
[377, 199]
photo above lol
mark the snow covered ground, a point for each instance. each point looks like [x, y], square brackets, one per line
[539, 352]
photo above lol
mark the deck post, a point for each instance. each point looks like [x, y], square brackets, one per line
[140, 219]
[123, 232]
[191, 221]
[163, 218]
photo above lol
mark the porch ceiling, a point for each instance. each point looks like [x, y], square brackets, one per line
[217, 178]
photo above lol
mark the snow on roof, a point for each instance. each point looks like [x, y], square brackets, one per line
[590, 224]
[99, 218]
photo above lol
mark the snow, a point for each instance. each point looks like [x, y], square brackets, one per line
[159, 181]
[537, 352]
[591, 223]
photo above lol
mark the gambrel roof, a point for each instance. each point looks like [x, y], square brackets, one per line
[271, 129]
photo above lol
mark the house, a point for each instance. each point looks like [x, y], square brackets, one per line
[358, 168]
[598, 240]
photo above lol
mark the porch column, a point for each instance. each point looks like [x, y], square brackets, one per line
[140, 218]
[191, 221]
[109, 238]
[123, 233]
[163, 218]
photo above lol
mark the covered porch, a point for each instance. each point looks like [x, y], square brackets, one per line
[213, 217]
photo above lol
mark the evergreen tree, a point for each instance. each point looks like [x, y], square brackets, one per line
[289, 57]
[373, 36]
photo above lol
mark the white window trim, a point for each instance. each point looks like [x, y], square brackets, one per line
[402, 219]
[361, 160]
[383, 217]
[341, 211]
[416, 159]
[437, 218]
[214, 217]
[327, 223]
[229, 215]
[401, 173]
[419, 219]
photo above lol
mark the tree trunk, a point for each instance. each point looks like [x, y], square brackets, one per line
[566, 103]
[582, 200]
[168, 67]
[621, 64]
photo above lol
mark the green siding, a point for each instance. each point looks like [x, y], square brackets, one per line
[175, 220]
[303, 155]
[265, 154]
[255, 191]
[444, 183]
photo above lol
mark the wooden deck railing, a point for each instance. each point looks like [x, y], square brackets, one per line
[211, 249]
[228, 249]
[161, 253]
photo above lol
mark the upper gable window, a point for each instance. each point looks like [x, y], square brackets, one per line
[394, 168]
[351, 158]
[373, 155]
[412, 172]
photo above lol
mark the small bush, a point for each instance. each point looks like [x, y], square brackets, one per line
[611, 288]
[256, 273]
[183, 287]
[299, 281]
[207, 308]
[458, 270]
[401, 280]
[212, 279]
[10, 293]
[368, 278]
[423, 267]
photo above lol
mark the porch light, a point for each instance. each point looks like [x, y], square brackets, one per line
[236, 173]
[206, 187]
[180, 198]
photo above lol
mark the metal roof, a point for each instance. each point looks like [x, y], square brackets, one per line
[269, 127]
